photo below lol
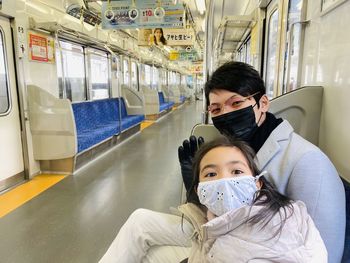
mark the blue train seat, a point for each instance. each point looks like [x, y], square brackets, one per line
[182, 99]
[95, 121]
[163, 105]
[128, 121]
[101, 119]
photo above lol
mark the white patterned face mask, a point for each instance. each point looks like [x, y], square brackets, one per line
[227, 194]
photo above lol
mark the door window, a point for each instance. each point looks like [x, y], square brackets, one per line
[4, 88]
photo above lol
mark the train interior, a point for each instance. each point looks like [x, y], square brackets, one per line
[90, 120]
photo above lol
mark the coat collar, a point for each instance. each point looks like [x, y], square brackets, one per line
[271, 146]
[196, 216]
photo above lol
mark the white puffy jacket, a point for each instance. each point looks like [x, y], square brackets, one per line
[226, 239]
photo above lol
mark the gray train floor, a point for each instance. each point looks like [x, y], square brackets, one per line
[77, 219]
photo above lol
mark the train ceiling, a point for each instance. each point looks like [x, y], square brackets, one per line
[232, 20]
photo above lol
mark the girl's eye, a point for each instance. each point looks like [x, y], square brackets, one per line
[210, 175]
[236, 171]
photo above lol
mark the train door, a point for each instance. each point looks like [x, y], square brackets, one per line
[11, 150]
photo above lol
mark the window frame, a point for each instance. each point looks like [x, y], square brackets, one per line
[9, 97]
[85, 61]
[268, 67]
[86, 51]
[93, 51]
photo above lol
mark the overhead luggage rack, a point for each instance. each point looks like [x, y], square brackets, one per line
[232, 31]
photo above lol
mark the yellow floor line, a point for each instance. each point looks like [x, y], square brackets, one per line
[16, 197]
[146, 124]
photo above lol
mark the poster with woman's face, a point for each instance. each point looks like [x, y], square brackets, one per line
[165, 37]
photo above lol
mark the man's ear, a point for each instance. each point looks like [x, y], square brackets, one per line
[264, 103]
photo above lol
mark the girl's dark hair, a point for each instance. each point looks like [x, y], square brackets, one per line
[267, 197]
[162, 38]
[237, 77]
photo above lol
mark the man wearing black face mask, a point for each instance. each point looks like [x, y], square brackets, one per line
[239, 107]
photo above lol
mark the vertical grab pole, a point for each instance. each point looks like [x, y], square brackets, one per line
[208, 58]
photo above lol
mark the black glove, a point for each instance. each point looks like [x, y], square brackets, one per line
[186, 153]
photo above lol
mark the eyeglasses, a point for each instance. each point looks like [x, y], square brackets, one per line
[235, 102]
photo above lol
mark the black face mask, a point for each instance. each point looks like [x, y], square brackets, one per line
[239, 124]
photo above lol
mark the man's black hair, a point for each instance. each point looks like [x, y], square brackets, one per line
[236, 77]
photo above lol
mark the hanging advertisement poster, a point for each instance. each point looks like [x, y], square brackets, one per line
[174, 55]
[166, 36]
[124, 14]
[183, 55]
[41, 48]
[188, 56]
[197, 68]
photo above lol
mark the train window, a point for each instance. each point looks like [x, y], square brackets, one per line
[271, 53]
[244, 53]
[99, 74]
[73, 86]
[241, 54]
[165, 76]
[248, 58]
[126, 74]
[148, 75]
[178, 79]
[291, 72]
[155, 78]
[161, 76]
[169, 76]
[173, 78]
[183, 80]
[4, 88]
[134, 75]
[236, 56]
[166, 81]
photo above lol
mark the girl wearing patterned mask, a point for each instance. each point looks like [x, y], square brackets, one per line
[238, 216]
